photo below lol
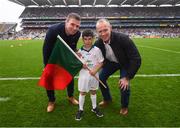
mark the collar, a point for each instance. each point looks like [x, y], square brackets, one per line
[82, 48]
[107, 42]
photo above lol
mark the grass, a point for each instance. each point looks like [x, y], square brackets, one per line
[154, 100]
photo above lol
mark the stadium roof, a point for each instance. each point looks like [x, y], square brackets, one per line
[96, 3]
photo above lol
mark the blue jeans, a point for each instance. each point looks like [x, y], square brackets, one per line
[108, 69]
[70, 91]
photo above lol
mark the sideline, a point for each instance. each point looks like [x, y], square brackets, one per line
[166, 50]
[3, 99]
[113, 76]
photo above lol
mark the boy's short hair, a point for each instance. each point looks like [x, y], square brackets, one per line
[87, 32]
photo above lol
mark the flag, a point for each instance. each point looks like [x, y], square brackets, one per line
[62, 66]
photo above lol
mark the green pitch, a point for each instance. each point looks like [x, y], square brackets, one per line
[154, 100]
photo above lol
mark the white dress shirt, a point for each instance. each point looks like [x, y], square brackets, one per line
[109, 53]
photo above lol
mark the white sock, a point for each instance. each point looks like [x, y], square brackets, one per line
[93, 100]
[81, 101]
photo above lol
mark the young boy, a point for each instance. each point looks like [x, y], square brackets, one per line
[93, 59]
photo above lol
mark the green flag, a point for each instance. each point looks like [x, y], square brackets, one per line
[62, 66]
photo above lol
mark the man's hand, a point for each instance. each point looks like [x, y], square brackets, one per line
[123, 83]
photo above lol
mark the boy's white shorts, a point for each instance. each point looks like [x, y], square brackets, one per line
[87, 82]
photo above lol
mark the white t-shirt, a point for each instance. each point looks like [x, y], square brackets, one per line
[92, 57]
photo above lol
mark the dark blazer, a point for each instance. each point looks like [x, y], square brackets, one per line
[51, 37]
[125, 51]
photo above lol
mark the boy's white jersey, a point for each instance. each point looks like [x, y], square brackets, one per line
[92, 57]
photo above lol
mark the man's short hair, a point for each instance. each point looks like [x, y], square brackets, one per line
[87, 32]
[73, 16]
[103, 20]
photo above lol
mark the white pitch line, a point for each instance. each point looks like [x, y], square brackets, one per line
[3, 99]
[20, 78]
[113, 76]
[153, 75]
[166, 50]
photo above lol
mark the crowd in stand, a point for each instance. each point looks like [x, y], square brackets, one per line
[87, 12]
[132, 32]
[151, 32]
[142, 26]
[28, 34]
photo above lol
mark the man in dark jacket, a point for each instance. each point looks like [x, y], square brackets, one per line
[120, 53]
[70, 33]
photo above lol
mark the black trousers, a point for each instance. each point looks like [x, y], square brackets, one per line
[70, 91]
[108, 69]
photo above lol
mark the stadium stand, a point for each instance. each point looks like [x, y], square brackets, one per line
[7, 29]
[142, 18]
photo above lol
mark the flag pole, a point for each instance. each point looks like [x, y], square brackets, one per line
[69, 48]
[80, 60]
[98, 79]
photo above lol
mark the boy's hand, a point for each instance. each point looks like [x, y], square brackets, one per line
[92, 72]
[85, 66]
[79, 54]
